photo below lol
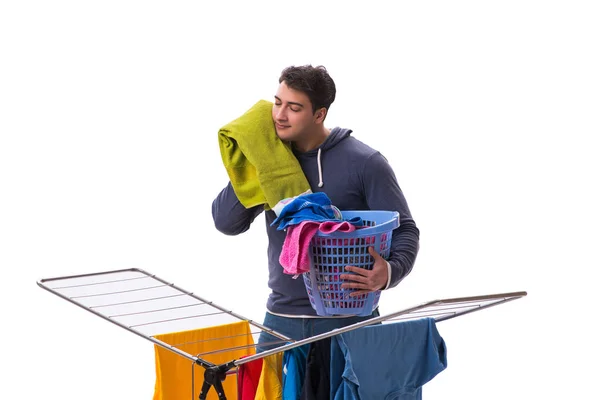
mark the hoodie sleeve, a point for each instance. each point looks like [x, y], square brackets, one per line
[229, 215]
[383, 193]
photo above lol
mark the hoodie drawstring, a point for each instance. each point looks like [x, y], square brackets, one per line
[319, 166]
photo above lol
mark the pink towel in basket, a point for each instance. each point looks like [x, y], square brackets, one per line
[294, 253]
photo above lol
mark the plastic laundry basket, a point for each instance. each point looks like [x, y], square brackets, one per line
[330, 253]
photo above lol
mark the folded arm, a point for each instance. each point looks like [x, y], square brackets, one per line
[384, 193]
[229, 215]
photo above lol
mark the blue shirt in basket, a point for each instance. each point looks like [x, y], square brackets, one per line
[353, 175]
[310, 207]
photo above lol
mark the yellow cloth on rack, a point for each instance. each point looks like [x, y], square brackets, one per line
[174, 372]
[270, 383]
[261, 167]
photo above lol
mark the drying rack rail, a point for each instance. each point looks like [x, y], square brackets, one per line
[149, 306]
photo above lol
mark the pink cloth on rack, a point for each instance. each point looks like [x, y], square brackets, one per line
[294, 253]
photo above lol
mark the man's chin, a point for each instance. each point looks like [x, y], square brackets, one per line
[283, 136]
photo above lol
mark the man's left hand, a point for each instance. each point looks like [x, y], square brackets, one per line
[365, 280]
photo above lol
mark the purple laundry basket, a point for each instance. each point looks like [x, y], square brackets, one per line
[330, 253]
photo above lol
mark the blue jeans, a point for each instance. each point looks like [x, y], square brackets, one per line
[301, 328]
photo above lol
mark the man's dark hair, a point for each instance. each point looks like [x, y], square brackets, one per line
[314, 81]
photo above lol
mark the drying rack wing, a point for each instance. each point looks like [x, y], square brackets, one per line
[440, 310]
[146, 305]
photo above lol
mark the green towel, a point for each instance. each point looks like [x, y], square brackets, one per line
[262, 168]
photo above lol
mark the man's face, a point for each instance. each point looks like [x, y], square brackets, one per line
[292, 114]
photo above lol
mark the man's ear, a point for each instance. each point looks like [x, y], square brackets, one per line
[320, 115]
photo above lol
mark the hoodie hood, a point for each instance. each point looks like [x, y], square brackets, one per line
[336, 135]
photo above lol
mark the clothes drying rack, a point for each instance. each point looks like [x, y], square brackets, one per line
[147, 306]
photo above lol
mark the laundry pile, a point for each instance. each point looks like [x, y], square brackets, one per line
[301, 217]
[383, 361]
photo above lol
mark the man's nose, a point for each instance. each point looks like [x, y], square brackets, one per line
[281, 114]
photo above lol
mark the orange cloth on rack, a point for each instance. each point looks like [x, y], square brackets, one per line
[174, 372]
[269, 385]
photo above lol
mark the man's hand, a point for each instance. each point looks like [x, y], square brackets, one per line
[366, 280]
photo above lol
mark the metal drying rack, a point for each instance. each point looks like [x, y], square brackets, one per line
[147, 306]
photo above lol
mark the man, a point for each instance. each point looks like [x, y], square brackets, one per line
[353, 175]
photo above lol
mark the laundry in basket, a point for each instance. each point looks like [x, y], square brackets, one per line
[331, 252]
[294, 257]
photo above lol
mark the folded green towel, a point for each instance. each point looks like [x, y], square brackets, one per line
[262, 168]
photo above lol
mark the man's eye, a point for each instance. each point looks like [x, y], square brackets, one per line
[294, 109]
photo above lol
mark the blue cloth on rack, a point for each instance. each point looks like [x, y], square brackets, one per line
[388, 361]
[309, 207]
[294, 369]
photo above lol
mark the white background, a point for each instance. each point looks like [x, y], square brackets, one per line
[109, 113]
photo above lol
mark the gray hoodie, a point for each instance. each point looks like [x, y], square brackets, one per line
[354, 177]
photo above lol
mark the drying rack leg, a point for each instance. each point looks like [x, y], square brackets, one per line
[213, 377]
